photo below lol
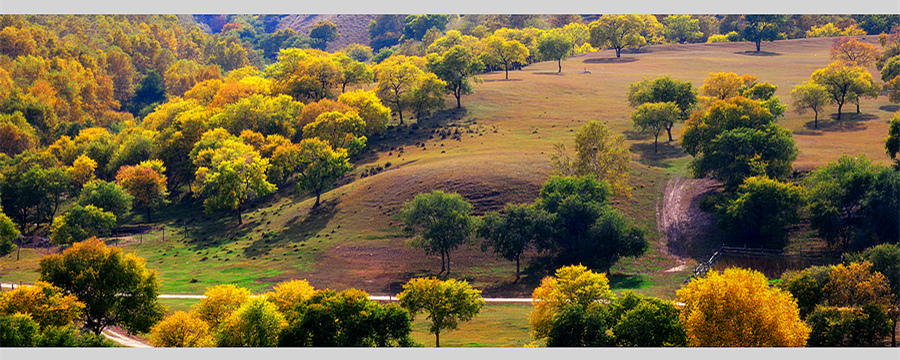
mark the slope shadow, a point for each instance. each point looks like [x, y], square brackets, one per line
[889, 108]
[295, 231]
[397, 137]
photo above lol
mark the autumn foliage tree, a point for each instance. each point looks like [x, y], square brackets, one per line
[181, 329]
[128, 298]
[654, 118]
[574, 285]
[599, 153]
[46, 304]
[738, 308]
[617, 32]
[219, 302]
[854, 51]
[845, 82]
[503, 53]
[445, 302]
[316, 164]
[145, 184]
[810, 96]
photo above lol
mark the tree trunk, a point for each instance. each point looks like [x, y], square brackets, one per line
[437, 339]
[857, 107]
[448, 263]
[618, 52]
[817, 119]
[507, 71]
[458, 94]
[318, 195]
[442, 263]
[757, 45]
[559, 62]
[669, 131]
[656, 144]
[240, 219]
[400, 112]
[517, 268]
[841, 105]
[148, 215]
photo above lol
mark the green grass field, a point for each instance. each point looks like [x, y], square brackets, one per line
[507, 131]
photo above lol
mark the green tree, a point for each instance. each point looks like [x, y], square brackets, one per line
[317, 164]
[759, 28]
[107, 196]
[502, 52]
[234, 174]
[682, 28]
[369, 108]
[455, 66]
[257, 323]
[32, 192]
[323, 33]
[18, 330]
[428, 96]
[416, 26]
[844, 82]
[510, 234]
[762, 210]
[555, 45]
[880, 209]
[352, 71]
[885, 259]
[8, 233]
[738, 154]
[578, 326]
[127, 299]
[836, 192]
[638, 320]
[738, 308]
[807, 286]
[439, 223]
[344, 319]
[81, 223]
[397, 77]
[585, 228]
[446, 302]
[857, 327]
[892, 141]
[810, 96]
[664, 89]
[598, 153]
[654, 117]
[617, 32]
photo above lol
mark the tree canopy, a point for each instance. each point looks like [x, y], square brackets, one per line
[598, 153]
[446, 302]
[439, 222]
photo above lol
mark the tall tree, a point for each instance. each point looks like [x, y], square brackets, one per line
[555, 45]
[762, 211]
[455, 66]
[859, 53]
[735, 155]
[116, 288]
[397, 77]
[574, 285]
[644, 321]
[439, 222]
[759, 28]
[844, 82]
[664, 89]
[502, 52]
[682, 28]
[229, 175]
[219, 302]
[446, 302]
[892, 141]
[598, 153]
[257, 323]
[654, 117]
[584, 227]
[323, 33]
[510, 234]
[617, 32]
[145, 184]
[810, 96]
[317, 164]
[81, 223]
[107, 196]
[181, 329]
[836, 192]
[341, 131]
[738, 308]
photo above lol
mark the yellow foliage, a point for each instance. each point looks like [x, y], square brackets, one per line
[82, 169]
[829, 30]
[722, 85]
[46, 304]
[856, 285]
[574, 284]
[289, 294]
[738, 308]
[181, 330]
[219, 302]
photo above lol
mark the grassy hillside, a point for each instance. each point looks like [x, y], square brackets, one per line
[505, 133]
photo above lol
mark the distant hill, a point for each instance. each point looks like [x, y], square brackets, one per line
[353, 28]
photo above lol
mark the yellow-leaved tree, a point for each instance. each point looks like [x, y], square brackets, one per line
[738, 308]
[46, 304]
[181, 329]
[219, 302]
[573, 285]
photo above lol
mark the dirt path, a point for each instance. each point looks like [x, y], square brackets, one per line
[121, 337]
[682, 221]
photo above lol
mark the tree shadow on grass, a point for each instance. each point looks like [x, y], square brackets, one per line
[759, 53]
[667, 150]
[297, 230]
[848, 123]
[620, 60]
[623, 281]
[889, 108]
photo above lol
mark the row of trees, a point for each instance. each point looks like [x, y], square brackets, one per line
[76, 298]
[851, 304]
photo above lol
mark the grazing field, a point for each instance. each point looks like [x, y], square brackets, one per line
[506, 132]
